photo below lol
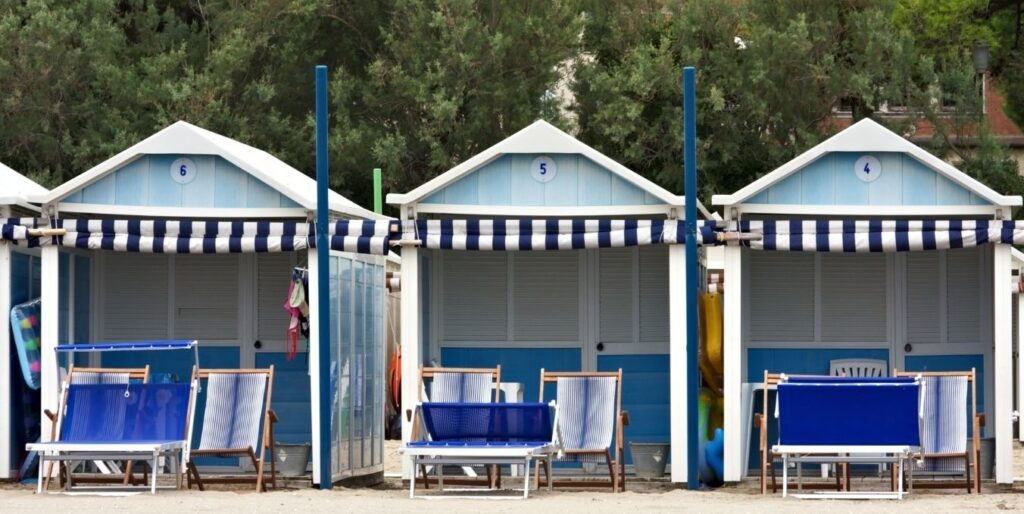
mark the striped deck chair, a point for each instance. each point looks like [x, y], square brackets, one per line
[458, 385]
[83, 375]
[590, 420]
[944, 434]
[237, 422]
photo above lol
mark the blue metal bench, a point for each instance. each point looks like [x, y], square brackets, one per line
[135, 421]
[483, 433]
[849, 419]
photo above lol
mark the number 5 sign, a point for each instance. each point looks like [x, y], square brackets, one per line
[183, 170]
[543, 169]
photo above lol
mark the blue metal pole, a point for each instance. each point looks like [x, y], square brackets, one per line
[690, 190]
[323, 265]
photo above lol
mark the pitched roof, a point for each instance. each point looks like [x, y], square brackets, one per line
[538, 137]
[867, 136]
[17, 188]
[185, 138]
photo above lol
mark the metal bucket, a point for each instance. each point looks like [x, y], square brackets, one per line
[649, 459]
[291, 458]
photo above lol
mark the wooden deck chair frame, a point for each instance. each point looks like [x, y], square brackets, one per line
[767, 457]
[616, 466]
[258, 458]
[129, 477]
[972, 455]
[428, 372]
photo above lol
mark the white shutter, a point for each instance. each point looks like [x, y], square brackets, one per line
[206, 297]
[475, 296]
[853, 299]
[135, 297]
[654, 312]
[963, 295]
[616, 294]
[273, 275]
[923, 297]
[781, 296]
[545, 296]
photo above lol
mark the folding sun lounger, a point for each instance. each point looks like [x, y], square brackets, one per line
[122, 421]
[849, 420]
[483, 434]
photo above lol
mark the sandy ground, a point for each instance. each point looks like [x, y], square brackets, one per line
[392, 498]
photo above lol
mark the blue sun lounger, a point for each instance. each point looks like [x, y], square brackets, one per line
[849, 419]
[130, 421]
[481, 434]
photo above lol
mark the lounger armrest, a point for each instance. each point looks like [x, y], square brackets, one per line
[980, 418]
[758, 420]
[49, 414]
[272, 415]
[624, 415]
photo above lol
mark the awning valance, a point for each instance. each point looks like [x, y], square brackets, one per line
[877, 235]
[176, 236]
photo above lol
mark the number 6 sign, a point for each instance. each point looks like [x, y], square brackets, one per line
[543, 169]
[183, 170]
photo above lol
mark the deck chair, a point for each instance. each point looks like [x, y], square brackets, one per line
[121, 421]
[767, 457]
[458, 385]
[860, 368]
[237, 408]
[944, 434]
[590, 420]
[83, 375]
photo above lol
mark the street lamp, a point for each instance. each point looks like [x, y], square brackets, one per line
[980, 57]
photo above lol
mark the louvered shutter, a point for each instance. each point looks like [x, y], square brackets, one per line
[923, 297]
[963, 295]
[206, 297]
[654, 312]
[135, 297]
[615, 267]
[781, 297]
[475, 296]
[545, 296]
[273, 274]
[853, 298]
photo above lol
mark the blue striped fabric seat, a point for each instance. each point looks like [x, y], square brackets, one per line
[945, 422]
[234, 411]
[586, 415]
[121, 413]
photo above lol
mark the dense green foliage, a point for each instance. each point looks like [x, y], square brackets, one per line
[420, 85]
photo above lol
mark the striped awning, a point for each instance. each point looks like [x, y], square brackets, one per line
[878, 235]
[176, 236]
[550, 234]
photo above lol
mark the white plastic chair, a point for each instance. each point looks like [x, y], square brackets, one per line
[856, 368]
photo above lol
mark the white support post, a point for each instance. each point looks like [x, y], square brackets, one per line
[1003, 363]
[1019, 305]
[677, 359]
[410, 344]
[5, 359]
[314, 358]
[732, 350]
[49, 333]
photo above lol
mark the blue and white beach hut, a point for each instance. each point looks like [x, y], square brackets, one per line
[601, 296]
[19, 282]
[192, 235]
[872, 249]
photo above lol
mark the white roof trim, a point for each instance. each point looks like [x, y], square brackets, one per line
[867, 136]
[1017, 256]
[185, 138]
[17, 188]
[539, 137]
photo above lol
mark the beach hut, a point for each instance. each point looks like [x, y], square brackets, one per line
[19, 282]
[192, 235]
[872, 249]
[602, 295]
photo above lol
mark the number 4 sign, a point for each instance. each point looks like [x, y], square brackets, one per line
[543, 169]
[183, 170]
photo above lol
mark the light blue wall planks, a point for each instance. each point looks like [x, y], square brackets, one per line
[506, 180]
[830, 180]
[146, 181]
[290, 399]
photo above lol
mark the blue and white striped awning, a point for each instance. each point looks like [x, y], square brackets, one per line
[550, 234]
[176, 236]
[878, 235]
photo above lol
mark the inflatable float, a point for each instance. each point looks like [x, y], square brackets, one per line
[25, 325]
